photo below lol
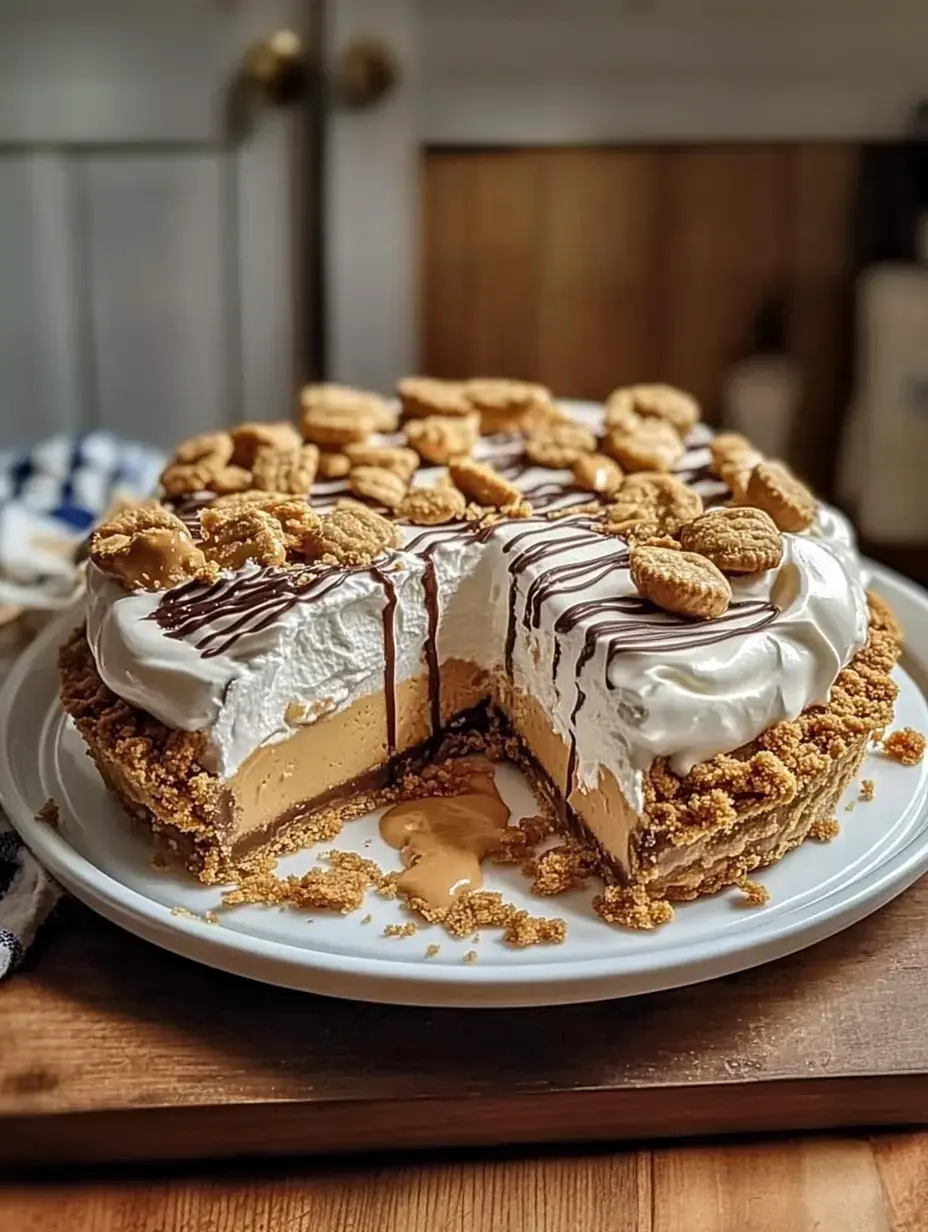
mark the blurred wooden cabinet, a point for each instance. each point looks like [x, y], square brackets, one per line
[589, 268]
[611, 191]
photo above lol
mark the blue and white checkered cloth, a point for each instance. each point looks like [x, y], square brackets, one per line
[50, 497]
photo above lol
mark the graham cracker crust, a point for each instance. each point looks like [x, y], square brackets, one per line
[730, 815]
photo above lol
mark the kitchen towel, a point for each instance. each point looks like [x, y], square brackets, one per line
[50, 497]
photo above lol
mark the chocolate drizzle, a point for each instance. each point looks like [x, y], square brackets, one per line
[654, 630]
[389, 653]
[425, 544]
[188, 509]
[247, 605]
[548, 493]
[567, 579]
[696, 474]
[523, 560]
[253, 603]
[430, 587]
[513, 464]
[582, 658]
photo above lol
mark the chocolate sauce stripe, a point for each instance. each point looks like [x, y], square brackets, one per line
[567, 579]
[433, 612]
[547, 494]
[533, 554]
[582, 659]
[628, 636]
[389, 654]
[256, 601]
[254, 621]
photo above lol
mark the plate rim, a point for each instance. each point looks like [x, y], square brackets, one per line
[407, 981]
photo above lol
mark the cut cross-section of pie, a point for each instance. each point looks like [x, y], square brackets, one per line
[270, 676]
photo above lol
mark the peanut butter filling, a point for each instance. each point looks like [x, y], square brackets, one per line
[442, 840]
[603, 808]
[338, 748]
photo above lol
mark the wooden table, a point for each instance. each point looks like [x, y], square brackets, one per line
[871, 1182]
[847, 1184]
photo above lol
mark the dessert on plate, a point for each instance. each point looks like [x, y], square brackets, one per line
[666, 628]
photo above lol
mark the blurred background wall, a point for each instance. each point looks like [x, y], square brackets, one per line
[204, 203]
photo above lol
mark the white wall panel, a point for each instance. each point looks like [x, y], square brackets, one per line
[40, 375]
[579, 71]
[370, 186]
[97, 71]
[159, 304]
[151, 257]
[270, 240]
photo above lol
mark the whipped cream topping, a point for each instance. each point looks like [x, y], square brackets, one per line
[552, 602]
[321, 657]
[689, 690]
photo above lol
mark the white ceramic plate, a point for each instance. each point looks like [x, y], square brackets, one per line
[816, 891]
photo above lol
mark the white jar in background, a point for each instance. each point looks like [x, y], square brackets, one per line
[760, 398]
[884, 459]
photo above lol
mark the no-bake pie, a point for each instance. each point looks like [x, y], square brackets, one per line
[664, 626]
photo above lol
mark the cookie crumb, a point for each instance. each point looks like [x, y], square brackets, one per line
[211, 917]
[849, 807]
[470, 956]
[524, 930]
[682, 582]
[351, 534]
[367, 919]
[632, 907]
[147, 547]
[48, 814]
[867, 789]
[824, 830]
[431, 950]
[351, 862]
[400, 930]
[340, 888]
[519, 841]
[906, 746]
[774, 489]
[737, 540]
[561, 869]
[755, 894]
[469, 913]
[185, 913]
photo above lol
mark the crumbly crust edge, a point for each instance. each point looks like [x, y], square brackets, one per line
[784, 762]
[160, 768]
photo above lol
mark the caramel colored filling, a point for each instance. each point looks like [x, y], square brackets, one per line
[604, 809]
[344, 747]
[350, 746]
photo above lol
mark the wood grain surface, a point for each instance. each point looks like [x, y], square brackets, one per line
[588, 268]
[876, 1184]
[114, 1049]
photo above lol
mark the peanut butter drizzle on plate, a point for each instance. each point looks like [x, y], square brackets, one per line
[442, 839]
